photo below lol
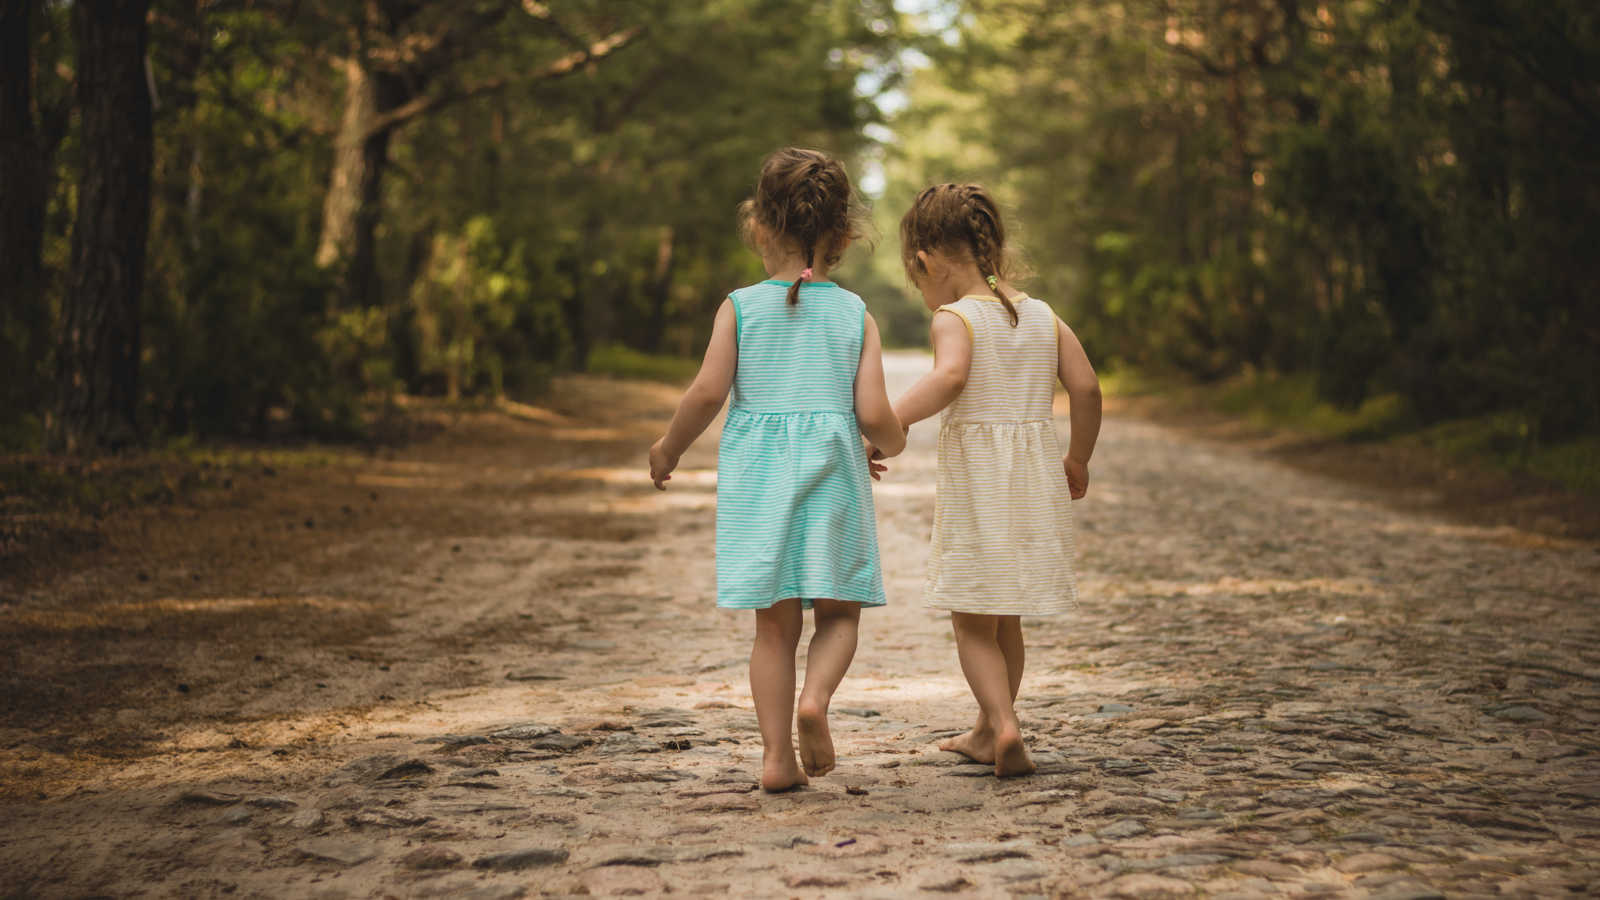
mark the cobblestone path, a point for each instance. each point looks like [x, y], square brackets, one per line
[1277, 687]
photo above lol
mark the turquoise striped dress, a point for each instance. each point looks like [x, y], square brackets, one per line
[794, 501]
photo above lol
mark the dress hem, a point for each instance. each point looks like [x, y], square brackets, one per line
[806, 602]
[979, 609]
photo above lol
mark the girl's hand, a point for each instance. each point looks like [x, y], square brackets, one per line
[661, 465]
[1077, 476]
[874, 468]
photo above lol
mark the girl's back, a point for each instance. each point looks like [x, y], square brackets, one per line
[794, 503]
[800, 357]
[1013, 373]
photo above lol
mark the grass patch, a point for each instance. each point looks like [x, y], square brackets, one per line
[618, 361]
[1268, 401]
[1575, 463]
[1290, 402]
[1502, 439]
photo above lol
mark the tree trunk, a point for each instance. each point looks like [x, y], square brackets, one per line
[661, 289]
[98, 363]
[353, 206]
[589, 311]
[28, 138]
[33, 119]
[188, 56]
[573, 312]
[339, 205]
[22, 181]
[1249, 331]
[365, 285]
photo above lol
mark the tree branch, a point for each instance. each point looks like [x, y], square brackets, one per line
[597, 51]
[429, 51]
[542, 13]
[428, 102]
[564, 65]
[1211, 66]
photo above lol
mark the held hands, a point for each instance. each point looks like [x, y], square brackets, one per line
[874, 468]
[1077, 476]
[661, 465]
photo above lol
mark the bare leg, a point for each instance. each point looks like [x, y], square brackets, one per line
[1009, 634]
[832, 647]
[978, 644]
[978, 744]
[772, 687]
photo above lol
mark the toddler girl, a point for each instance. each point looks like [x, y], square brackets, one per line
[795, 525]
[1002, 526]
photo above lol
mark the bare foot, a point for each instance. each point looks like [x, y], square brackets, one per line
[781, 774]
[1010, 755]
[816, 743]
[975, 745]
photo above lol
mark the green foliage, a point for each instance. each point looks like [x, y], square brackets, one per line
[1386, 200]
[1295, 404]
[479, 326]
[1575, 463]
[1509, 440]
[619, 361]
[1390, 203]
[541, 206]
[241, 333]
[1296, 401]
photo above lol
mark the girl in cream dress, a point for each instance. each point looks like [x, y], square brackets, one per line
[1002, 531]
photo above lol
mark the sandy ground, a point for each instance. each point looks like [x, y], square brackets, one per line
[489, 665]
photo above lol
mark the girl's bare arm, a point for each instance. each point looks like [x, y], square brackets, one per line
[1083, 391]
[952, 361]
[704, 398]
[873, 412]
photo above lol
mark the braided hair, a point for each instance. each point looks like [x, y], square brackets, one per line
[958, 219]
[804, 196]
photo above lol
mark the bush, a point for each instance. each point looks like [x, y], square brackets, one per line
[479, 325]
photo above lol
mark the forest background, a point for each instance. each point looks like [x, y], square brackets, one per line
[249, 219]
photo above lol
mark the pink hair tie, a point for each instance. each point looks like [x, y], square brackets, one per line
[805, 274]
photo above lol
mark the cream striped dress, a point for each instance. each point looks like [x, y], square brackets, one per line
[1002, 522]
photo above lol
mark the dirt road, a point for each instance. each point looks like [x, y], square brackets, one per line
[489, 665]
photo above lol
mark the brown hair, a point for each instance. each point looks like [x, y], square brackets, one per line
[805, 196]
[958, 219]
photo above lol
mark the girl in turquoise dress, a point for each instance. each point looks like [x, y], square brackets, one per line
[795, 525]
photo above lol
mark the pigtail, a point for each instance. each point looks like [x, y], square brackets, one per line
[983, 226]
[991, 275]
[1011, 309]
[806, 223]
[794, 288]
